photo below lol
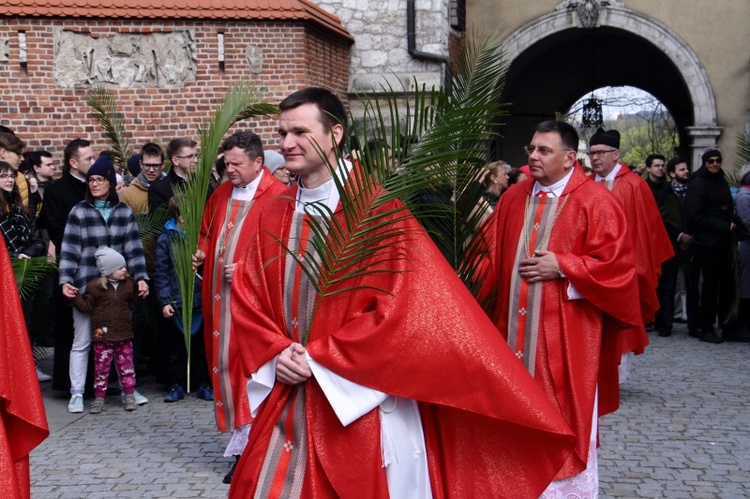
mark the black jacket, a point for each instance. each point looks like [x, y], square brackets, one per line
[709, 209]
[59, 198]
[160, 191]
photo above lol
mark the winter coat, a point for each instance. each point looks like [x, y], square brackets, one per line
[86, 231]
[21, 234]
[165, 282]
[59, 198]
[110, 309]
[709, 209]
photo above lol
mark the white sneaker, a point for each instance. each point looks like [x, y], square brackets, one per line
[76, 404]
[42, 376]
[139, 399]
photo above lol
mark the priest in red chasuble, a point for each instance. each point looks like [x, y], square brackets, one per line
[399, 385]
[560, 260]
[24, 422]
[646, 229]
[226, 224]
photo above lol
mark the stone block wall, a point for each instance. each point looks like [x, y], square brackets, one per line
[47, 111]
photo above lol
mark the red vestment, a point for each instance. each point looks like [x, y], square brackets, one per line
[24, 422]
[212, 230]
[489, 430]
[650, 239]
[589, 239]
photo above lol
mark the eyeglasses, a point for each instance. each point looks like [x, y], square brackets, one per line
[713, 161]
[90, 159]
[6, 176]
[189, 156]
[97, 180]
[599, 154]
[543, 151]
[151, 166]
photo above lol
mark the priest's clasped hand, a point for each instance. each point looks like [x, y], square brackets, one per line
[292, 367]
[542, 267]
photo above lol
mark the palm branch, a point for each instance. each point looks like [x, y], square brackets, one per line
[30, 273]
[447, 148]
[106, 114]
[240, 102]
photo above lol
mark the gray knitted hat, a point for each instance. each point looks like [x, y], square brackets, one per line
[108, 260]
[274, 160]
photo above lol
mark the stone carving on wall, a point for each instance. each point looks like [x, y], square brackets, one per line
[587, 10]
[162, 60]
[4, 50]
[254, 56]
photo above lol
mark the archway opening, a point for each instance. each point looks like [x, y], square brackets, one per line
[645, 125]
[548, 77]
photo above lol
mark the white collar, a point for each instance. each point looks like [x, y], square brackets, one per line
[247, 192]
[326, 192]
[555, 189]
[611, 175]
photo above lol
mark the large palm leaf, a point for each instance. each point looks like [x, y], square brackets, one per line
[241, 102]
[104, 104]
[445, 150]
[30, 273]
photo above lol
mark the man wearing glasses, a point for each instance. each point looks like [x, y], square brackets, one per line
[709, 209]
[560, 260]
[645, 228]
[183, 154]
[152, 164]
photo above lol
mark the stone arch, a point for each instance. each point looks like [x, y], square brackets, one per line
[703, 131]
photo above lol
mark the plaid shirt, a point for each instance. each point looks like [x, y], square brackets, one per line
[86, 230]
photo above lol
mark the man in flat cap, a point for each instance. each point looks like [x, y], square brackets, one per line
[650, 239]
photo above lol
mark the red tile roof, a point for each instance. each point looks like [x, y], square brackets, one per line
[262, 10]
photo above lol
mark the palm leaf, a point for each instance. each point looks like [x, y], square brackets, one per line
[448, 136]
[106, 114]
[241, 102]
[30, 273]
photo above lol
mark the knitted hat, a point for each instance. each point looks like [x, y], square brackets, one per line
[134, 164]
[274, 160]
[609, 138]
[711, 152]
[103, 167]
[108, 260]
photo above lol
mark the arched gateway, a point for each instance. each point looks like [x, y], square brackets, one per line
[584, 45]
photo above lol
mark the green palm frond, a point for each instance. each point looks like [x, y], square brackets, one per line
[30, 273]
[441, 143]
[106, 114]
[241, 102]
[743, 148]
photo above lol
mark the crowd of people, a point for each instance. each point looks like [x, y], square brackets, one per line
[577, 264]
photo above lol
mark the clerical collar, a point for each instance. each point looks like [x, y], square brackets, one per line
[325, 193]
[611, 175]
[555, 189]
[247, 192]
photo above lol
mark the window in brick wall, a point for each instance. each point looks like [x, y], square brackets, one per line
[22, 50]
[458, 14]
[221, 52]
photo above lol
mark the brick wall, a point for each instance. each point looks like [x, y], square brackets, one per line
[45, 116]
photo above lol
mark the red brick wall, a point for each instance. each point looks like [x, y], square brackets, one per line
[45, 116]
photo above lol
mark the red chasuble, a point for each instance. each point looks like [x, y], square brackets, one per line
[650, 238]
[230, 397]
[564, 350]
[24, 423]
[489, 430]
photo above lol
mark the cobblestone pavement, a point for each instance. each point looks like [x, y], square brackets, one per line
[681, 432]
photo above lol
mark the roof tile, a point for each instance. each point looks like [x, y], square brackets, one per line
[273, 10]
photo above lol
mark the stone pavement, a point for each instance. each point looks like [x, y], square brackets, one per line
[681, 432]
